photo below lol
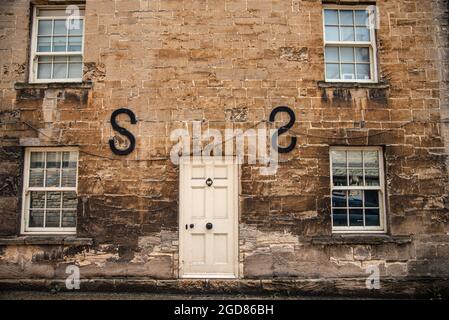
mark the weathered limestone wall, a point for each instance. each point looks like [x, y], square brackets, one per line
[228, 63]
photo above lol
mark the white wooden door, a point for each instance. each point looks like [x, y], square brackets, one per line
[208, 218]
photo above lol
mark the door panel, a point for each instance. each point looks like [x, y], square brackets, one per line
[208, 253]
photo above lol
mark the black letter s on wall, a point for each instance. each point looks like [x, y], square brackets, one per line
[123, 131]
[283, 129]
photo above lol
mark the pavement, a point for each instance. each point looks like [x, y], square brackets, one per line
[41, 295]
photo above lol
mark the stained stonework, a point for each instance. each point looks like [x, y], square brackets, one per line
[227, 64]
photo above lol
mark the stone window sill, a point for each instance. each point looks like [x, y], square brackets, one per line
[56, 85]
[361, 239]
[351, 85]
[46, 240]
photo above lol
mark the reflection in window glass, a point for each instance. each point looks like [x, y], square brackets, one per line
[355, 159]
[36, 218]
[53, 169]
[331, 17]
[333, 71]
[332, 34]
[340, 217]
[356, 217]
[339, 199]
[346, 17]
[355, 198]
[372, 217]
[36, 174]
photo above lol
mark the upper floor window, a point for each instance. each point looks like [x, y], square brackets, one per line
[358, 189]
[57, 44]
[350, 44]
[50, 184]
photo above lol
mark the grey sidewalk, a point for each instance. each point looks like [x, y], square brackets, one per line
[39, 295]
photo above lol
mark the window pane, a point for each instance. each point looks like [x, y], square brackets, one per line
[332, 54]
[60, 28]
[347, 54]
[53, 168]
[53, 199]
[339, 177]
[75, 70]
[68, 218]
[331, 33]
[361, 18]
[60, 59]
[355, 177]
[356, 217]
[339, 159]
[44, 44]
[36, 178]
[69, 200]
[37, 199]
[44, 28]
[362, 34]
[37, 160]
[332, 71]
[69, 160]
[45, 59]
[340, 217]
[36, 219]
[348, 71]
[69, 169]
[44, 71]
[372, 217]
[339, 199]
[330, 17]
[363, 72]
[75, 59]
[59, 44]
[60, 71]
[76, 27]
[52, 218]
[372, 198]
[356, 198]
[371, 159]
[362, 54]
[355, 159]
[75, 44]
[346, 17]
[372, 177]
[347, 34]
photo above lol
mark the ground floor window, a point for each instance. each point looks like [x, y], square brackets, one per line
[50, 197]
[357, 189]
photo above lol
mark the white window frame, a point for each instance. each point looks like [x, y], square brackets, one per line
[34, 54]
[381, 188]
[27, 189]
[372, 44]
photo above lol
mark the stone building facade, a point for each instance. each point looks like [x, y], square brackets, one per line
[227, 64]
